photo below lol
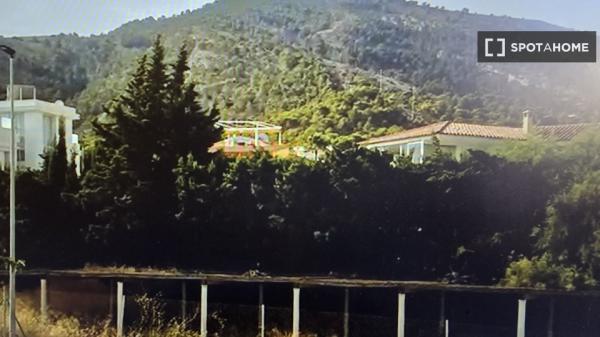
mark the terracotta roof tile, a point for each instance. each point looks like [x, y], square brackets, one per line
[564, 132]
[484, 131]
[427, 130]
[454, 129]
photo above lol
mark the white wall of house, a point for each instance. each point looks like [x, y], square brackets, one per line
[415, 147]
[422, 147]
[465, 143]
[4, 147]
[37, 124]
[33, 142]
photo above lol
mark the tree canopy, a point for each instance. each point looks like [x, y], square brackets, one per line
[140, 139]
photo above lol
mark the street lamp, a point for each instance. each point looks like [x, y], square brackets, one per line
[13, 159]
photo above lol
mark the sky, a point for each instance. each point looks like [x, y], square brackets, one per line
[85, 17]
[577, 14]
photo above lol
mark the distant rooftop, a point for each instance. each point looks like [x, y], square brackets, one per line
[563, 132]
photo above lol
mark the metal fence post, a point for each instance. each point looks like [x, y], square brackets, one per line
[261, 311]
[183, 303]
[521, 318]
[296, 313]
[120, 309]
[346, 312]
[401, 313]
[43, 300]
[203, 310]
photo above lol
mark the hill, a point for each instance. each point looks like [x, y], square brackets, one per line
[327, 70]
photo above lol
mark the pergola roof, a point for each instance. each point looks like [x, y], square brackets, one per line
[305, 281]
[235, 125]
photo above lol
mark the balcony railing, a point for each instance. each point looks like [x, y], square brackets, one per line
[22, 92]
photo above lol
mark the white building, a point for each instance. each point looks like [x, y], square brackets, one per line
[37, 123]
[457, 139]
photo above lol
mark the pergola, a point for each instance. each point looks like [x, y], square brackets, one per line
[233, 127]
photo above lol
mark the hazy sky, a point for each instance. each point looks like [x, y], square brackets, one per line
[45, 17]
[85, 17]
[578, 14]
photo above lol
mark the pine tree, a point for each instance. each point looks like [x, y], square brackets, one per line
[141, 138]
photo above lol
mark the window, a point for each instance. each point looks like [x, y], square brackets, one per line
[415, 151]
[6, 123]
[20, 155]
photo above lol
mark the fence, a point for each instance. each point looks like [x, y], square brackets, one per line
[255, 305]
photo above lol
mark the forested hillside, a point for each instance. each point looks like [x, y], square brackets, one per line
[153, 195]
[341, 68]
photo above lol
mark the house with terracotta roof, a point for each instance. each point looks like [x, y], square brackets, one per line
[458, 138]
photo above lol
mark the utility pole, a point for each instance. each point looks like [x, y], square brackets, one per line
[12, 326]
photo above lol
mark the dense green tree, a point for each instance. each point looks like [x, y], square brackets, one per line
[141, 137]
[353, 212]
[572, 230]
[565, 253]
[56, 167]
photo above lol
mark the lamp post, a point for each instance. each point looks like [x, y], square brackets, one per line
[12, 327]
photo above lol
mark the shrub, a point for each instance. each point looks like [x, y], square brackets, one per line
[542, 272]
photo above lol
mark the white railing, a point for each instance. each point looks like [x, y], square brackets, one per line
[19, 92]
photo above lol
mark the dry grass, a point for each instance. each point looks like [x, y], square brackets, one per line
[127, 269]
[152, 323]
[57, 325]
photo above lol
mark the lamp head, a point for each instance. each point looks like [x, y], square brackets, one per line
[8, 50]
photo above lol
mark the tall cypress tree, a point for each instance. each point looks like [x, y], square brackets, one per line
[141, 137]
[55, 161]
[72, 183]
